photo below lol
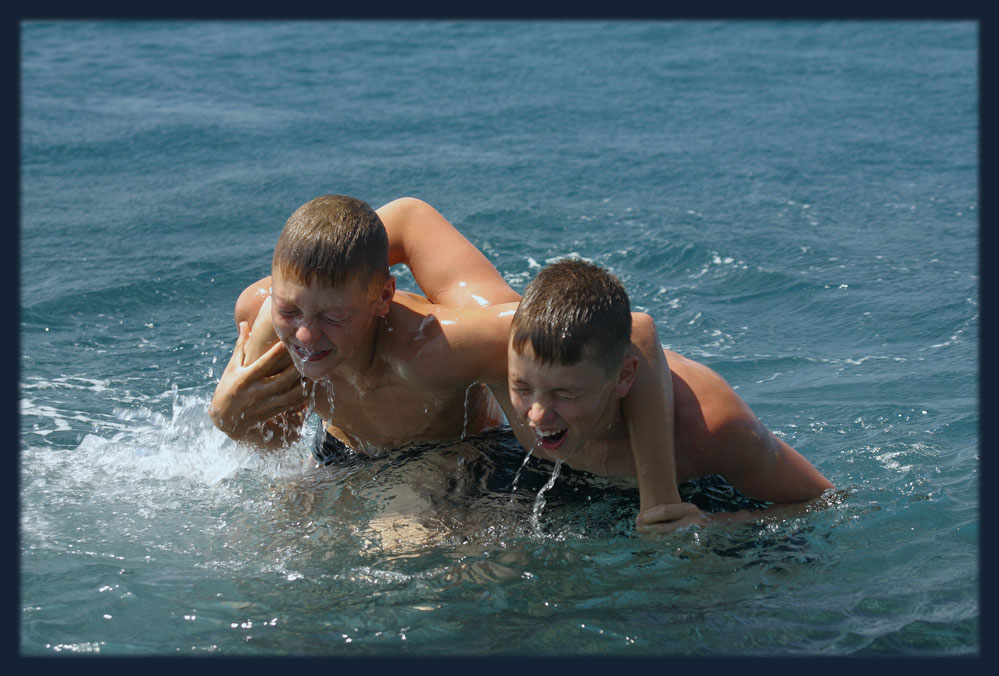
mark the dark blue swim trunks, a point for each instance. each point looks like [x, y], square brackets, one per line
[327, 449]
[504, 467]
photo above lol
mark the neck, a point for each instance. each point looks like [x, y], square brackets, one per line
[365, 360]
[611, 423]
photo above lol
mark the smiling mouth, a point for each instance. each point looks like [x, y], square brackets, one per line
[550, 441]
[309, 355]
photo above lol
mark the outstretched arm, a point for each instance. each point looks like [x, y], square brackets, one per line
[448, 268]
[648, 409]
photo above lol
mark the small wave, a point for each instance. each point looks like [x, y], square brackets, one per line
[140, 443]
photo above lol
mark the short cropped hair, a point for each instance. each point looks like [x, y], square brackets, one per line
[333, 240]
[574, 309]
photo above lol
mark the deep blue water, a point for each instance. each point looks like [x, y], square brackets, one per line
[796, 203]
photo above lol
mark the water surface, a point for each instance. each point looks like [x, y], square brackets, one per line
[795, 203]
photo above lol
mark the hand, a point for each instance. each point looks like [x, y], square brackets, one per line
[667, 518]
[247, 395]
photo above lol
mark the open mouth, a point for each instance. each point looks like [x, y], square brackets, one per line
[551, 440]
[309, 355]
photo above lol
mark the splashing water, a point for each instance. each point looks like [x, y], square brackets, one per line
[464, 425]
[539, 501]
[516, 478]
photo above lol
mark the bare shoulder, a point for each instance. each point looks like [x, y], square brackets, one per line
[441, 344]
[704, 396]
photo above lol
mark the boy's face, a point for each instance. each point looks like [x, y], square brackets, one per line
[565, 405]
[324, 327]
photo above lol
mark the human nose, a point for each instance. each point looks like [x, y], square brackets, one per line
[305, 332]
[536, 413]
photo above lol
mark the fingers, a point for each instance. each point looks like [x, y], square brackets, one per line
[262, 401]
[667, 512]
[670, 527]
[276, 354]
[271, 362]
[667, 518]
[236, 359]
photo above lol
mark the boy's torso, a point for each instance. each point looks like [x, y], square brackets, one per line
[397, 413]
[410, 394]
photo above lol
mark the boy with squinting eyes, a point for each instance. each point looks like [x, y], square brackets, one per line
[589, 382]
[382, 367]
[572, 366]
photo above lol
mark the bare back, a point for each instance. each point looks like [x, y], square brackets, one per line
[715, 433]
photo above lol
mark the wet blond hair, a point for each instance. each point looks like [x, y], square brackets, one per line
[574, 309]
[332, 240]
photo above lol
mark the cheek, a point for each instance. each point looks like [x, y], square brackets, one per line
[518, 401]
[576, 412]
[282, 327]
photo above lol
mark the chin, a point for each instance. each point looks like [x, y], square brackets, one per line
[315, 370]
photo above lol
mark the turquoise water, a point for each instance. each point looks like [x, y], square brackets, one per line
[795, 203]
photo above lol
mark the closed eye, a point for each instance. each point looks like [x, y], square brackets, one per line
[565, 396]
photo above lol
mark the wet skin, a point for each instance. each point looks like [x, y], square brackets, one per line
[574, 413]
[382, 369]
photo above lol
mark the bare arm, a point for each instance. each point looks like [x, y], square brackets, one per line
[763, 466]
[249, 301]
[776, 512]
[449, 269]
[649, 411]
[472, 345]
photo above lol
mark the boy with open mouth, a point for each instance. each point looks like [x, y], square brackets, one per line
[580, 378]
[589, 391]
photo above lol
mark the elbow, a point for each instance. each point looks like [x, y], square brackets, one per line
[644, 334]
[249, 301]
[407, 206]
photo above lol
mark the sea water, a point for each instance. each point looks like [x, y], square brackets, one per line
[795, 203]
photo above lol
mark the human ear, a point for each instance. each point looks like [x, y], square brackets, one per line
[626, 376]
[385, 296]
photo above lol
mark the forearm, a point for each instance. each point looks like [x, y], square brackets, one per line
[270, 433]
[649, 410]
[249, 301]
[653, 449]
